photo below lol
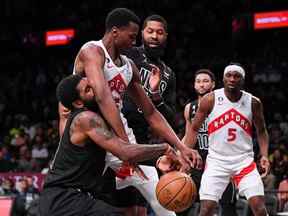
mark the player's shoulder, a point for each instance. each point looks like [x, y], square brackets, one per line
[133, 53]
[187, 106]
[207, 102]
[168, 68]
[253, 97]
[91, 47]
[87, 117]
[209, 96]
[256, 101]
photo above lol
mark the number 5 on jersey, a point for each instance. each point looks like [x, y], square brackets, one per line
[231, 134]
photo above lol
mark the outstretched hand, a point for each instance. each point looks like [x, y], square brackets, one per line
[155, 78]
[176, 161]
[191, 157]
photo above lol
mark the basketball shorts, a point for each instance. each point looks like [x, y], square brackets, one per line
[58, 201]
[218, 174]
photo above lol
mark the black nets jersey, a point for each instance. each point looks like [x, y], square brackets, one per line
[75, 166]
[202, 137]
[167, 90]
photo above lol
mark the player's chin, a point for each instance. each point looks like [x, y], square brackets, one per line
[231, 87]
[153, 45]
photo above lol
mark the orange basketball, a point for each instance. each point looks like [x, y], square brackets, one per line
[176, 191]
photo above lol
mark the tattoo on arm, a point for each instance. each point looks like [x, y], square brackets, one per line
[75, 123]
[99, 126]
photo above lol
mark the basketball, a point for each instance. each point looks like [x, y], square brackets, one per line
[176, 191]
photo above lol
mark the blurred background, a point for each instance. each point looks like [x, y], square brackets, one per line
[39, 41]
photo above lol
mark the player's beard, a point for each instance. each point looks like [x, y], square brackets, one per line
[91, 105]
[154, 52]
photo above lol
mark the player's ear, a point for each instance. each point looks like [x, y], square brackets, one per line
[114, 31]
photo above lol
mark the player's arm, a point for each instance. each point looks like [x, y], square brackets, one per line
[94, 127]
[157, 121]
[63, 116]
[205, 107]
[187, 139]
[259, 122]
[93, 59]
[262, 134]
[166, 103]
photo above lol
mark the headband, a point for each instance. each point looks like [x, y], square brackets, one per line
[237, 68]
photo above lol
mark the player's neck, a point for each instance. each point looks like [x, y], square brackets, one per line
[233, 96]
[110, 47]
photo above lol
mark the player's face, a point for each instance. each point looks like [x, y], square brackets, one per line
[233, 80]
[125, 37]
[203, 84]
[154, 34]
[87, 95]
[85, 91]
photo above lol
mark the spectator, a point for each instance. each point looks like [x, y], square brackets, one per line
[23, 199]
[39, 152]
[283, 195]
[5, 165]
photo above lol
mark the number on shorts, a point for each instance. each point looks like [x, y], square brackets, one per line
[231, 134]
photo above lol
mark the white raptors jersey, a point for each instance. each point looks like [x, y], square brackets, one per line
[230, 127]
[118, 79]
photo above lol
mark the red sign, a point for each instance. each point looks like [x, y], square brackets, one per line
[59, 37]
[5, 206]
[271, 20]
[38, 178]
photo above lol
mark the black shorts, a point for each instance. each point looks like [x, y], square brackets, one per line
[71, 202]
[126, 197]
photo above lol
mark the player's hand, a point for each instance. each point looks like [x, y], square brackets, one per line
[166, 164]
[191, 157]
[265, 166]
[65, 112]
[155, 78]
[170, 161]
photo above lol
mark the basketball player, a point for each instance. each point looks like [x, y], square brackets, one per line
[231, 113]
[110, 75]
[77, 167]
[159, 83]
[204, 83]
[161, 86]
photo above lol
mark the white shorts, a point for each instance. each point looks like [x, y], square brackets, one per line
[218, 174]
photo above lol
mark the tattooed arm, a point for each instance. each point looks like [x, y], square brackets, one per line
[91, 125]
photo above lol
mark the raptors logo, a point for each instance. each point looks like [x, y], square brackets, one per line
[225, 118]
[117, 86]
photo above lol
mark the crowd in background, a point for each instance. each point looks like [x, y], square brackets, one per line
[199, 36]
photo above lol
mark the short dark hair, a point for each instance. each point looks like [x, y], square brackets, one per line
[120, 17]
[66, 91]
[158, 18]
[206, 71]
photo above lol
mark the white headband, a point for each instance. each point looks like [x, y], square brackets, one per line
[237, 68]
